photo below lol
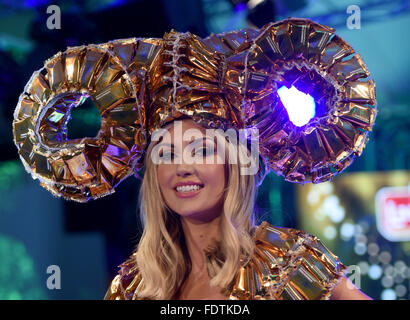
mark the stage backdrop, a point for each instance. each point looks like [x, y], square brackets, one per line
[365, 219]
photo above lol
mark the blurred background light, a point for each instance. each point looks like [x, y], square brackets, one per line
[388, 294]
[387, 282]
[400, 290]
[347, 231]
[330, 232]
[372, 249]
[364, 267]
[375, 272]
[360, 248]
[389, 271]
[385, 257]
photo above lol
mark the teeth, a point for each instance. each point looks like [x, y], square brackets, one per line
[188, 188]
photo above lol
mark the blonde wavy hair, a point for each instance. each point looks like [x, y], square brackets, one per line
[162, 257]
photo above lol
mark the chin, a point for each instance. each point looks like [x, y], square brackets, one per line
[186, 213]
[200, 215]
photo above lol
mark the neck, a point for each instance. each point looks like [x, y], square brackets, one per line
[198, 236]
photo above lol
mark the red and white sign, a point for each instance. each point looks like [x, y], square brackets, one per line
[393, 213]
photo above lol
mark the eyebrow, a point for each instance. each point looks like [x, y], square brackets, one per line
[172, 145]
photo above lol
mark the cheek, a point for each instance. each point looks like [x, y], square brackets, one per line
[215, 176]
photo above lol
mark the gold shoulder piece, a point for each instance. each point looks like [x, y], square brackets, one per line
[288, 264]
[125, 285]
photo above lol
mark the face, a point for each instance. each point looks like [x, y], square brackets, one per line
[191, 185]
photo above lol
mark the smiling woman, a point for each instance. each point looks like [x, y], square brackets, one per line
[180, 225]
[201, 186]
[200, 240]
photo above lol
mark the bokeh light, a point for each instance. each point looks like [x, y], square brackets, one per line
[388, 294]
[18, 278]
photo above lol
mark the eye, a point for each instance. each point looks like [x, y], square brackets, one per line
[166, 155]
[203, 152]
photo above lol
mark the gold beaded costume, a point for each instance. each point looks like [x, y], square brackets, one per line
[229, 80]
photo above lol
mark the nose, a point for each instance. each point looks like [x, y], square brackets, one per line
[184, 169]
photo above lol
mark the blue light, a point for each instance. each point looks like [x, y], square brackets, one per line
[240, 7]
[299, 105]
[34, 3]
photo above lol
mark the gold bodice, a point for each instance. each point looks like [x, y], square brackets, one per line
[288, 264]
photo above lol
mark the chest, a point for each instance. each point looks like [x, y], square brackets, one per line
[199, 288]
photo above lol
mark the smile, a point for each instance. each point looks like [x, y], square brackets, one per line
[188, 191]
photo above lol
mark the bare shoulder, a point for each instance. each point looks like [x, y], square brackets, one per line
[346, 290]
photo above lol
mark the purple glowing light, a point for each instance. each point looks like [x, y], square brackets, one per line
[299, 105]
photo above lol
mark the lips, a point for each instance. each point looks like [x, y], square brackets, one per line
[188, 194]
[188, 183]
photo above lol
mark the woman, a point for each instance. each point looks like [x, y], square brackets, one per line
[187, 232]
[200, 241]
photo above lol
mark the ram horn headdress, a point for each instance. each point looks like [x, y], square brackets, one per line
[230, 80]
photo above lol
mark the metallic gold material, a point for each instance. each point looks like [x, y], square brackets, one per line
[304, 54]
[288, 264]
[225, 81]
[87, 168]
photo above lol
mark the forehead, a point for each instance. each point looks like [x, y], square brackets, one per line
[185, 124]
[185, 129]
